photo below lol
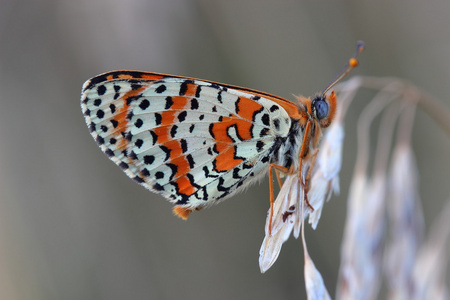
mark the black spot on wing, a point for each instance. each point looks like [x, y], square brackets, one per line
[135, 85]
[256, 113]
[167, 151]
[274, 108]
[158, 118]
[100, 140]
[236, 105]
[109, 152]
[124, 166]
[173, 131]
[264, 132]
[190, 160]
[158, 187]
[236, 173]
[139, 143]
[100, 114]
[132, 155]
[161, 89]
[276, 123]
[101, 89]
[198, 90]
[207, 173]
[194, 104]
[183, 144]
[145, 172]
[174, 169]
[154, 136]
[144, 104]
[210, 129]
[259, 146]
[130, 115]
[184, 87]
[265, 119]
[182, 116]
[192, 181]
[149, 159]
[169, 102]
[138, 123]
[138, 179]
[97, 102]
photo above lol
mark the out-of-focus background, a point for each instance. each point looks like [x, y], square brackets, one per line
[73, 226]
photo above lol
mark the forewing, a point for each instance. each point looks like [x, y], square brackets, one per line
[194, 142]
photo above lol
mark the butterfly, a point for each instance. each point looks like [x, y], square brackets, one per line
[198, 142]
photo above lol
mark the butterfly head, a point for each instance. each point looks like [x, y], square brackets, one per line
[324, 108]
[320, 107]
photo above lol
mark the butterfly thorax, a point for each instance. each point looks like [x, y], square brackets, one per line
[286, 150]
[319, 113]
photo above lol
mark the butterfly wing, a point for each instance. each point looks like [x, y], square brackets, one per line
[193, 141]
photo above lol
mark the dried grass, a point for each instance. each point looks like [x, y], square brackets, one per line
[383, 243]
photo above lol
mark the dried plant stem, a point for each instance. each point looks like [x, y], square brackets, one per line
[379, 102]
[433, 107]
[385, 134]
[436, 110]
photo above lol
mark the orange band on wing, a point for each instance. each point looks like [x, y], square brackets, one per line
[220, 130]
[168, 116]
[191, 88]
[247, 108]
[132, 75]
[185, 186]
[227, 160]
[178, 159]
[168, 119]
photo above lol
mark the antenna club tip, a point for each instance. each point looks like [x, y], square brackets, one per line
[360, 45]
[353, 62]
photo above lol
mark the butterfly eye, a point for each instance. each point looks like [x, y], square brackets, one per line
[320, 107]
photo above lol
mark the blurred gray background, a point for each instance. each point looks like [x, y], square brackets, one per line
[73, 226]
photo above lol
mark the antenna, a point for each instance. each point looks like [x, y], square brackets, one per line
[352, 63]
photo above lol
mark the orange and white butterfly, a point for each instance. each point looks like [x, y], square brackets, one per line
[198, 142]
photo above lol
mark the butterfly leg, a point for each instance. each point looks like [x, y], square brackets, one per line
[277, 174]
[305, 147]
[303, 153]
[277, 169]
[307, 183]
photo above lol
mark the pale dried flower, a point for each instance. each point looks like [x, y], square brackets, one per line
[428, 274]
[411, 270]
[325, 179]
[406, 224]
[286, 217]
[315, 287]
[286, 213]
